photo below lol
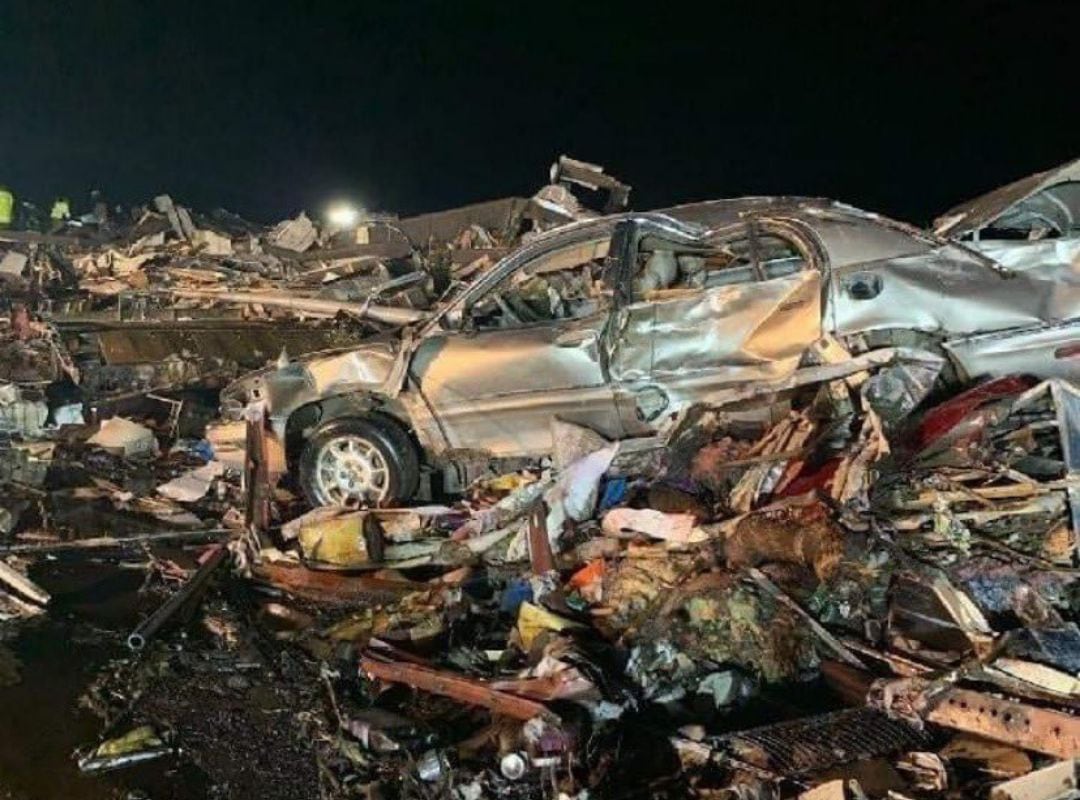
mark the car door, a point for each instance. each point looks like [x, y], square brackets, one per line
[522, 351]
[701, 319]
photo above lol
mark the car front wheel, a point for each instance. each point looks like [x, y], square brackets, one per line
[359, 461]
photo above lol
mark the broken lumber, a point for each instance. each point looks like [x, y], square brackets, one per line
[465, 690]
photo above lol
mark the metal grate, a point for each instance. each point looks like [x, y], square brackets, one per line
[824, 741]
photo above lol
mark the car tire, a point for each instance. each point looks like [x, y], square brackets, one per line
[366, 445]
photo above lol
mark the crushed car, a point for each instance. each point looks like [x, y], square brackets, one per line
[1030, 224]
[619, 322]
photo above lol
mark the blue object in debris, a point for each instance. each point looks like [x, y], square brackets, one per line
[614, 493]
[516, 593]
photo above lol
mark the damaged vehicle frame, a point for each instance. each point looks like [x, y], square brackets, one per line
[618, 322]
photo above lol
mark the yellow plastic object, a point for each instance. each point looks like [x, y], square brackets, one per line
[137, 740]
[7, 206]
[510, 482]
[534, 620]
[338, 541]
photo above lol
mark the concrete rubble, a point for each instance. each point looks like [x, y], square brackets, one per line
[854, 575]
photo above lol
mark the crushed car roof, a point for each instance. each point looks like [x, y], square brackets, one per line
[974, 214]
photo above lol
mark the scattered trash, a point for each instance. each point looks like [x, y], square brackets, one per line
[688, 506]
[194, 485]
[125, 438]
[1056, 782]
[188, 593]
[19, 596]
[134, 747]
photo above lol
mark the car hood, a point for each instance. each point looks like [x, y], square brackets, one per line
[969, 217]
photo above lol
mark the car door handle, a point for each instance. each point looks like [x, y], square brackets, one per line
[575, 338]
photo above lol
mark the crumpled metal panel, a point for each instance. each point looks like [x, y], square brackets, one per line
[896, 390]
[632, 343]
[974, 214]
[670, 354]
[747, 331]
[852, 236]
[373, 368]
[949, 291]
[368, 367]
[1043, 350]
[498, 390]
[1049, 259]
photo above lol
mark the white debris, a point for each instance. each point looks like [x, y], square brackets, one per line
[678, 528]
[19, 415]
[573, 442]
[213, 244]
[22, 585]
[70, 414]
[294, 234]
[193, 485]
[12, 263]
[124, 437]
[576, 490]
[178, 216]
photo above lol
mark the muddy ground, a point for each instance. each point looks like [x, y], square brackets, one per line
[247, 711]
[239, 722]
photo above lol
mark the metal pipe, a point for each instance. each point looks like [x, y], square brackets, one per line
[136, 641]
[391, 315]
[113, 542]
[106, 763]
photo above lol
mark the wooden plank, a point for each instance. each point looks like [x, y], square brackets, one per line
[1040, 730]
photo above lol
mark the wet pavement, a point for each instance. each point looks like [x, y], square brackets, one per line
[58, 656]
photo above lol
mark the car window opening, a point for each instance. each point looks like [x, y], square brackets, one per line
[561, 285]
[663, 267]
[1053, 213]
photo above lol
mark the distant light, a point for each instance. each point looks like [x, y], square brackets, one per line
[343, 216]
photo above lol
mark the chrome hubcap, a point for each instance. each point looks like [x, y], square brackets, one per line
[350, 470]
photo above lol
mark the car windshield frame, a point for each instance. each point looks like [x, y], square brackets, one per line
[549, 242]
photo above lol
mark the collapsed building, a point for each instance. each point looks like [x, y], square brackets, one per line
[742, 499]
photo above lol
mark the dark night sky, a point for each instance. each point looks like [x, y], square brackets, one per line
[266, 107]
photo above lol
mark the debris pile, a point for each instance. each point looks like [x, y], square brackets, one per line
[161, 297]
[860, 599]
[848, 577]
[120, 327]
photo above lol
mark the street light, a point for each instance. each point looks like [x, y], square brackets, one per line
[342, 216]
